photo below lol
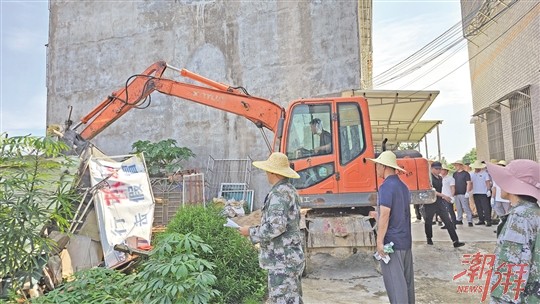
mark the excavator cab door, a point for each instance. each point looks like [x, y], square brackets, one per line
[310, 144]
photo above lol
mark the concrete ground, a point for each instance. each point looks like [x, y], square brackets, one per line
[357, 278]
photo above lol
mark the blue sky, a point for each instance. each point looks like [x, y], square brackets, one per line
[399, 29]
[24, 33]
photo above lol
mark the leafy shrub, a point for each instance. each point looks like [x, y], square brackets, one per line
[175, 274]
[172, 274]
[35, 190]
[239, 277]
[162, 157]
[95, 285]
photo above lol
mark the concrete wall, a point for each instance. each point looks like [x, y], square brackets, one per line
[505, 57]
[279, 50]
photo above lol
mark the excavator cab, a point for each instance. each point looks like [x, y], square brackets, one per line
[329, 174]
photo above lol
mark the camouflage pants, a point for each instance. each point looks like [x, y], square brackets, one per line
[285, 285]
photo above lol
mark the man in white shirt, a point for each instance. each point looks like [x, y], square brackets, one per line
[481, 190]
[448, 190]
[500, 205]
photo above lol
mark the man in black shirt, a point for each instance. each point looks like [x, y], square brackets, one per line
[462, 178]
[439, 208]
[325, 144]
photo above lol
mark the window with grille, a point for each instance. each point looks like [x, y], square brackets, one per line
[522, 125]
[495, 134]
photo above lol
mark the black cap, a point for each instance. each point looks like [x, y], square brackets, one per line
[315, 121]
[436, 165]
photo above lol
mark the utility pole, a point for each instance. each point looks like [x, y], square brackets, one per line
[365, 16]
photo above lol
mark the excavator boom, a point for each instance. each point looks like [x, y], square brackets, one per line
[262, 112]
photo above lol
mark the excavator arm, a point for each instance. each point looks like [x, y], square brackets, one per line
[262, 112]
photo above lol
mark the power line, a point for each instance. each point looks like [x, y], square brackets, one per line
[442, 44]
[481, 51]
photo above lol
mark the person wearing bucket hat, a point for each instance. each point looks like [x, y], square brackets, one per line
[439, 208]
[278, 234]
[393, 218]
[518, 239]
[481, 190]
[462, 180]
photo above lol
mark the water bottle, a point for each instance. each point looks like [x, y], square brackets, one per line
[388, 248]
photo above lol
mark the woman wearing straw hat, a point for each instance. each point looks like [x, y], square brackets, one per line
[279, 232]
[394, 226]
[518, 235]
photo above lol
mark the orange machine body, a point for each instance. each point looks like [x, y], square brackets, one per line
[339, 178]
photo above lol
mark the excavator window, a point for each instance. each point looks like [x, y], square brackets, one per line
[310, 131]
[351, 132]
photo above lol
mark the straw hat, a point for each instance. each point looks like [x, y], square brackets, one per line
[277, 163]
[445, 167]
[478, 165]
[502, 163]
[459, 162]
[520, 176]
[387, 158]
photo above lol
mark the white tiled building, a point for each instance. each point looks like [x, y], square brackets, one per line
[504, 53]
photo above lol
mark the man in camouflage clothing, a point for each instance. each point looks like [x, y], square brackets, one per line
[518, 241]
[279, 233]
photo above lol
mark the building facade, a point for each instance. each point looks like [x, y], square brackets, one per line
[504, 59]
[278, 50]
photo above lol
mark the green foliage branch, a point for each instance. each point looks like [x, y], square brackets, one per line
[239, 277]
[95, 285]
[162, 157]
[35, 191]
[174, 273]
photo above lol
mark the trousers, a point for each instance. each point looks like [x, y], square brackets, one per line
[398, 277]
[439, 209]
[285, 285]
[462, 205]
[483, 207]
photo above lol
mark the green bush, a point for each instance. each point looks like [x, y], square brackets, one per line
[95, 285]
[172, 274]
[239, 277]
[175, 274]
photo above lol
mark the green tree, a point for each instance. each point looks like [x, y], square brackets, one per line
[35, 191]
[470, 157]
[162, 157]
[407, 146]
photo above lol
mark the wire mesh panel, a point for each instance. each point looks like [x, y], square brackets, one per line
[221, 171]
[495, 135]
[522, 125]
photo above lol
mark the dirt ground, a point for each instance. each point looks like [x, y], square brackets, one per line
[357, 278]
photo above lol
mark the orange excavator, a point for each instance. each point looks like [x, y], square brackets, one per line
[337, 185]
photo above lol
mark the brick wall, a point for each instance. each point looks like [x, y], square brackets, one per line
[505, 56]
